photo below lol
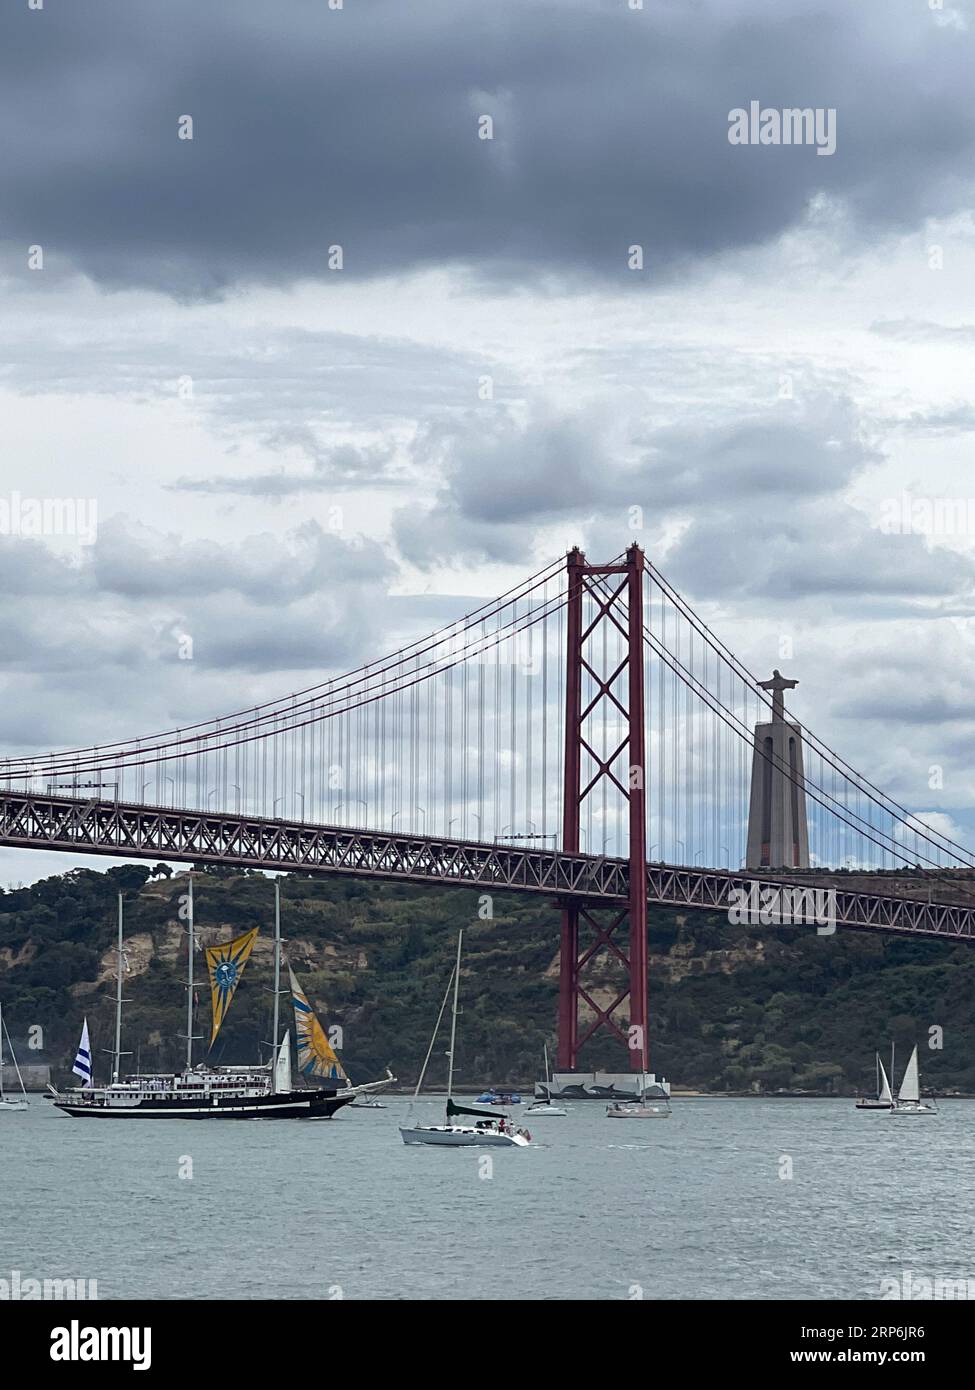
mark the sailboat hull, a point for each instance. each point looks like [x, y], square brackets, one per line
[295, 1105]
[461, 1137]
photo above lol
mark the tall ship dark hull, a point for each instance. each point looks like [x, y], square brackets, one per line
[293, 1105]
[264, 1091]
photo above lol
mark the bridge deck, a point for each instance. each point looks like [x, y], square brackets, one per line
[124, 830]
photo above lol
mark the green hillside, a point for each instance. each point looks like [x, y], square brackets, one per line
[732, 1008]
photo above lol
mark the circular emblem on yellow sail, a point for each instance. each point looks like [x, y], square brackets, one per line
[226, 966]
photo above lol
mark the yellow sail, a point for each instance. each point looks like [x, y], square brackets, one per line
[316, 1056]
[226, 965]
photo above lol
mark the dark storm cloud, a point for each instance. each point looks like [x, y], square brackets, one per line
[315, 126]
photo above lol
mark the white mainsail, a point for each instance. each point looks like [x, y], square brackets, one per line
[282, 1067]
[910, 1086]
[884, 1084]
[7, 1103]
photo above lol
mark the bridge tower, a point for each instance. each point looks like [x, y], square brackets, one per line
[595, 595]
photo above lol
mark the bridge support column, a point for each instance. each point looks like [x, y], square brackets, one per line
[595, 595]
[569, 989]
[638, 1042]
[569, 943]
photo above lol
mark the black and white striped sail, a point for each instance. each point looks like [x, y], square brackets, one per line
[82, 1061]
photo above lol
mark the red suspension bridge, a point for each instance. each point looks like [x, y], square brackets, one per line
[584, 737]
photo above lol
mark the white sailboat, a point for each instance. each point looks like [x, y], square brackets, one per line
[545, 1107]
[642, 1110]
[884, 1100]
[488, 1130]
[10, 1103]
[909, 1100]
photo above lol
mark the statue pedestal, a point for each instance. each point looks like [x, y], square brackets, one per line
[778, 837]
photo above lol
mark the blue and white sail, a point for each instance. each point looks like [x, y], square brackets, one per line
[82, 1062]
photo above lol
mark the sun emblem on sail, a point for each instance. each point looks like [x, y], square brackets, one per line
[316, 1056]
[226, 966]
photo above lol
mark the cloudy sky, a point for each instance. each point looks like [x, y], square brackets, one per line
[296, 461]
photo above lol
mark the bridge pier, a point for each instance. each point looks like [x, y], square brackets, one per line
[569, 989]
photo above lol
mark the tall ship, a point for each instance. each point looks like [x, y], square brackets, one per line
[202, 1091]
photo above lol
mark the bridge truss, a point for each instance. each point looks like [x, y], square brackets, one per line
[145, 832]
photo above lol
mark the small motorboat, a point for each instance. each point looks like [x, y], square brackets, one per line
[493, 1097]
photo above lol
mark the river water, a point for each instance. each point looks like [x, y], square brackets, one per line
[754, 1199]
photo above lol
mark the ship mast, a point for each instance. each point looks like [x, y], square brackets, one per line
[453, 1020]
[117, 1056]
[277, 980]
[189, 983]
